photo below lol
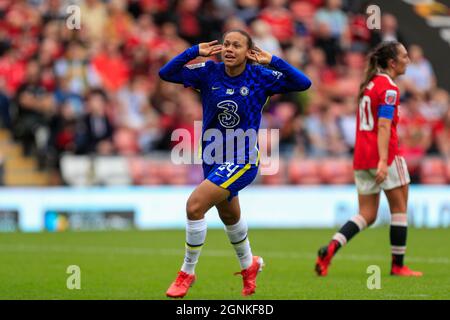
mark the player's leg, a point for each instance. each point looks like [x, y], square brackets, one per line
[397, 196]
[237, 232]
[368, 200]
[205, 196]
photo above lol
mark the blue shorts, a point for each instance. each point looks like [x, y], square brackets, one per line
[230, 176]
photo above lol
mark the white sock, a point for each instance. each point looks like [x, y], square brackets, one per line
[237, 233]
[195, 238]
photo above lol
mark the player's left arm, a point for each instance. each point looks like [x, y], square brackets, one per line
[286, 78]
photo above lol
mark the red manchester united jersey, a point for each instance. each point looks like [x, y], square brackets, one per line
[381, 90]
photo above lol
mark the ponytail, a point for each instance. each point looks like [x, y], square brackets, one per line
[378, 60]
[371, 71]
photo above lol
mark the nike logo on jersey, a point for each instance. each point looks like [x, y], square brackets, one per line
[215, 88]
[218, 174]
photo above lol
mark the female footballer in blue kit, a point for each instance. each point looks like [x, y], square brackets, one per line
[233, 95]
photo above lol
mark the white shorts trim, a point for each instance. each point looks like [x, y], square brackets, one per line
[397, 176]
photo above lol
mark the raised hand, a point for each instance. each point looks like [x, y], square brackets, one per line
[207, 49]
[260, 56]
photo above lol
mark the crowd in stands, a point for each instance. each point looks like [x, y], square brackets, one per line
[95, 90]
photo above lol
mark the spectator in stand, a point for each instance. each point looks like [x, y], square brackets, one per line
[389, 31]
[248, 10]
[323, 132]
[443, 136]
[12, 71]
[283, 119]
[330, 45]
[419, 77]
[188, 19]
[438, 104]
[95, 130]
[111, 67]
[415, 134]
[35, 106]
[347, 122]
[281, 21]
[75, 69]
[62, 132]
[359, 33]
[336, 22]
[118, 25]
[94, 18]
[263, 38]
[303, 13]
[5, 107]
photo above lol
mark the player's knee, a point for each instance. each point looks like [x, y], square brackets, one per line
[194, 209]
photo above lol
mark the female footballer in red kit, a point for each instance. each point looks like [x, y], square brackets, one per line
[377, 163]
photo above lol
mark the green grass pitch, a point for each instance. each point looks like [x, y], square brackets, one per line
[141, 265]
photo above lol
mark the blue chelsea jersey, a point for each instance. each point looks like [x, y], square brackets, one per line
[232, 106]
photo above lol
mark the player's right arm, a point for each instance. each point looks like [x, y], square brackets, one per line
[384, 134]
[176, 71]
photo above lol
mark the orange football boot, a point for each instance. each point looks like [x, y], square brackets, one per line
[181, 285]
[249, 275]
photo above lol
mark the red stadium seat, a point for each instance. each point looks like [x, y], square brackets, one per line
[304, 171]
[447, 169]
[174, 174]
[432, 171]
[145, 171]
[137, 169]
[336, 171]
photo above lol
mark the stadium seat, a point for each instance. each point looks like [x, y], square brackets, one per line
[447, 169]
[174, 174]
[151, 174]
[136, 167]
[125, 141]
[432, 171]
[76, 170]
[112, 171]
[336, 171]
[304, 171]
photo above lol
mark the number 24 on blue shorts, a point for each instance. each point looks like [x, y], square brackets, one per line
[230, 176]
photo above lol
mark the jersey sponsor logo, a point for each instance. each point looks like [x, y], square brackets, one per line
[196, 65]
[244, 91]
[229, 117]
[230, 91]
[391, 97]
[277, 74]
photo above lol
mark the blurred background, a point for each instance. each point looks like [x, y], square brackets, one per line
[85, 108]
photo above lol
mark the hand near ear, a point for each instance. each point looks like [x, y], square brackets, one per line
[207, 49]
[260, 56]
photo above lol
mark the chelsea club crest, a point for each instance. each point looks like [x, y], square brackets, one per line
[243, 91]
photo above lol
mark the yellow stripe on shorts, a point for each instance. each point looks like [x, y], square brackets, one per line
[238, 174]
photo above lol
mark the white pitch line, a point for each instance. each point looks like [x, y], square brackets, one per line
[206, 252]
